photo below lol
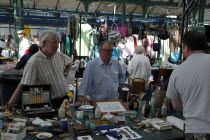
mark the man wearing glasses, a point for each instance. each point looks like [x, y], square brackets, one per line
[102, 76]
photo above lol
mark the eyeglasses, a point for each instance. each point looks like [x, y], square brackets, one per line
[108, 50]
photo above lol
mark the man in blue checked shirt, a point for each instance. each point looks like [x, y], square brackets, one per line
[102, 76]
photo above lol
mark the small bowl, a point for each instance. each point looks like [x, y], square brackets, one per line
[87, 109]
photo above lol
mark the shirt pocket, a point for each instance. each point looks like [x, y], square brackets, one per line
[114, 76]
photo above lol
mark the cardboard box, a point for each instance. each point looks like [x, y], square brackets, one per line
[5, 135]
[11, 136]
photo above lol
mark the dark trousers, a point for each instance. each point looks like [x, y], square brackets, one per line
[197, 136]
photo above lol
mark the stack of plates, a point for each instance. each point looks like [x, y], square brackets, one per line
[87, 109]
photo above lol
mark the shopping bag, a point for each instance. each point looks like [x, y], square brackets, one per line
[123, 30]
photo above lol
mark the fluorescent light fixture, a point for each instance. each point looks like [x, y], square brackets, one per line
[171, 16]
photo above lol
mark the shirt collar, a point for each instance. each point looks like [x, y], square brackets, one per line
[102, 63]
[44, 56]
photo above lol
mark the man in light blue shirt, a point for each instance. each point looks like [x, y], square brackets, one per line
[102, 76]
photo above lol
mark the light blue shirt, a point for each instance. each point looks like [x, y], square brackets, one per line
[101, 81]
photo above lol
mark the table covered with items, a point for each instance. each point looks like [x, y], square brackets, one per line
[87, 123]
[146, 116]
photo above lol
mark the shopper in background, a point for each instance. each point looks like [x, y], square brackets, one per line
[189, 87]
[47, 66]
[23, 60]
[102, 76]
[3, 45]
[24, 43]
[115, 53]
[139, 66]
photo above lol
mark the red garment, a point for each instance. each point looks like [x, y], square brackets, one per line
[135, 41]
[27, 51]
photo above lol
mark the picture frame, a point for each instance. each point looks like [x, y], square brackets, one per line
[112, 106]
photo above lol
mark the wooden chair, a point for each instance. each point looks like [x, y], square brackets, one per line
[137, 86]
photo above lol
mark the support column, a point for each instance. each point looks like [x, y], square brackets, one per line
[145, 10]
[194, 16]
[18, 21]
[201, 12]
[123, 12]
[182, 28]
[57, 16]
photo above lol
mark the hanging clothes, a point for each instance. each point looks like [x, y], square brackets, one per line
[86, 40]
[156, 44]
[175, 41]
[73, 27]
[174, 56]
[129, 47]
[27, 31]
[69, 46]
[175, 49]
[135, 41]
[33, 32]
[115, 53]
[95, 52]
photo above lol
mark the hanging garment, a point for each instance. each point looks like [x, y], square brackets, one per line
[164, 35]
[174, 56]
[73, 27]
[156, 44]
[33, 32]
[27, 31]
[135, 41]
[129, 47]
[69, 26]
[175, 41]
[86, 40]
[115, 54]
[95, 52]
[67, 46]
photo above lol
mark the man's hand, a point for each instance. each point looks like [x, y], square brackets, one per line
[2, 108]
[78, 103]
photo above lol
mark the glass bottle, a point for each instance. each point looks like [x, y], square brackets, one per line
[61, 112]
[164, 109]
[152, 105]
[98, 112]
[134, 104]
[147, 108]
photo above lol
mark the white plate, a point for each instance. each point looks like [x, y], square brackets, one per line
[86, 107]
[44, 135]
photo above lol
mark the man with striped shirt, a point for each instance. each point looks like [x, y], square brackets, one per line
[47, 66]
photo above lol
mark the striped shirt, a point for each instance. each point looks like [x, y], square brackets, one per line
[41, 70]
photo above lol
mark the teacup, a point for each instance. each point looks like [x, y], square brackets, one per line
[79, 114]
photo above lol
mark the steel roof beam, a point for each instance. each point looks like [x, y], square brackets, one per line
[149, 3]
[56, 7]
[82, 12]
[78, 6]
[98, 7]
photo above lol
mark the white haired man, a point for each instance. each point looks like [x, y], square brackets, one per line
[47, 66]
